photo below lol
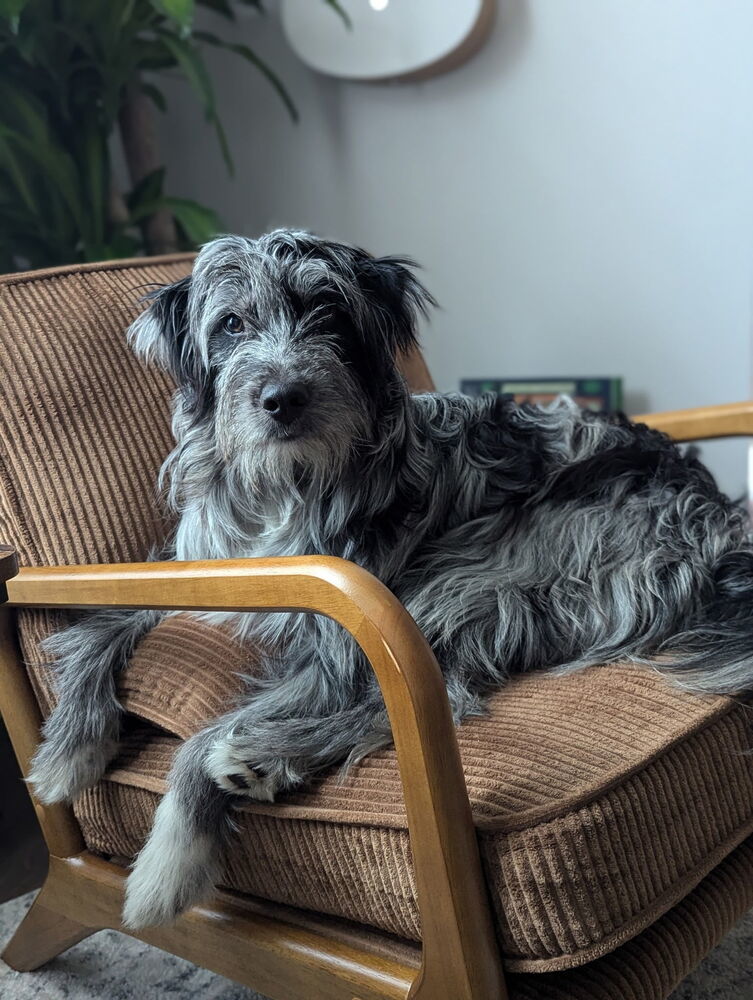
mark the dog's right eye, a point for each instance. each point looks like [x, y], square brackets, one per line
[233, 324]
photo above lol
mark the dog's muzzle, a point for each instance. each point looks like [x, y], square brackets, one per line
[285, 401]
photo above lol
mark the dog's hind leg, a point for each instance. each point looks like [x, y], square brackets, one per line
[181, 860]
[80, 737]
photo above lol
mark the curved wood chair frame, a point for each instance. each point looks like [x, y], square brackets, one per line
[83, 893]
[460, 955]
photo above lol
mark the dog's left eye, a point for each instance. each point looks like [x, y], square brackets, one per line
[233, 324]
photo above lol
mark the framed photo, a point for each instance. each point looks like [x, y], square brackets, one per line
[600, 394]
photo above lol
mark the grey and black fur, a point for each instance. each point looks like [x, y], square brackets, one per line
[518, 537]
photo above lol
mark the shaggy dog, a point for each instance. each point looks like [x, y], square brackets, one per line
[518, 537]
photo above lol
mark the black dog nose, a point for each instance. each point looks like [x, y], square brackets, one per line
[284, 401]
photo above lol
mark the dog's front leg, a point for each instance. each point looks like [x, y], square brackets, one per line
[80, 737]
[261, 753]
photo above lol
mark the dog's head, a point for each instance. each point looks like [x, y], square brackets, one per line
[286, 344]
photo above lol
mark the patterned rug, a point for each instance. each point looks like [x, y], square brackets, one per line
[120, 968]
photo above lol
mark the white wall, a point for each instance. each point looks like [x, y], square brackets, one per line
[580, 194]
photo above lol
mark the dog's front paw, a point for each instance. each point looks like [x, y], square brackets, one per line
[62, 773]
[226, 766]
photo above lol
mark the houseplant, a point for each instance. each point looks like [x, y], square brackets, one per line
[74, 74]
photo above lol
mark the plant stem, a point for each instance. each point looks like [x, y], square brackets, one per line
[138, 132]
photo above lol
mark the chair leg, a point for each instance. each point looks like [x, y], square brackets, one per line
[42, 935]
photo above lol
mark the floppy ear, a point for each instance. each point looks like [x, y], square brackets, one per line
[159, 335]
[396, 298]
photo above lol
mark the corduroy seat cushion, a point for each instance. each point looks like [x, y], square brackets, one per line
[601, 798]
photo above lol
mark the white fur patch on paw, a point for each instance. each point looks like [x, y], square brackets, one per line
[173, 871]
[225, 766]
[60, 775]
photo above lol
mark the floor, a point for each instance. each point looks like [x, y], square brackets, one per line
[119, 968]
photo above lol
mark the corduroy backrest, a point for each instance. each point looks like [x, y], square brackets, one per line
[84, 426]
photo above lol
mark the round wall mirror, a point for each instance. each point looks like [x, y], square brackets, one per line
[386, 39]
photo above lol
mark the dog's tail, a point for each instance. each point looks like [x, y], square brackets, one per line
[181, 861]
[715, 656]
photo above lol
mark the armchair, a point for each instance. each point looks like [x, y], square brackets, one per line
[593, 836]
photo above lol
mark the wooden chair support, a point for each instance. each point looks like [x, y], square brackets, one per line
[460, 957]
[44, 933]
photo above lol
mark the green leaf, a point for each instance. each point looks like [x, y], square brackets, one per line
[56, 165]
[180, 11]
[158, 98]
[12, 9]
[250, 56]
[23, 112]
[222, 7]
[198, 222]
[122, 245]
[224, 145]
[127, 12]
[152, 55]
[147, 191]
[79, 36]
[190, 61]
[341, 12]
[9, 161]
[143, 211]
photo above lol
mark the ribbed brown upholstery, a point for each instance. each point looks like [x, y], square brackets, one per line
[601, 798]
[647, 967]
[651, 965]
[85, 427]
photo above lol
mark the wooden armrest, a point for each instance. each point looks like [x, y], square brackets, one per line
[456, 927]
[703, 422]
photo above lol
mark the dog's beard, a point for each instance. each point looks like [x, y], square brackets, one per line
[266, 455]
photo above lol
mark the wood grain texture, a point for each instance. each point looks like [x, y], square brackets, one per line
[44, 933]
[266, 953]
[460, 954]
[703, 422]
[23, 720]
